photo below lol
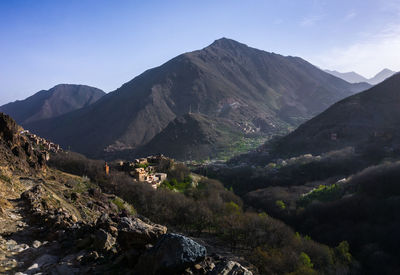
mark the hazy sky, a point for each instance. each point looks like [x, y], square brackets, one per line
[106, 43]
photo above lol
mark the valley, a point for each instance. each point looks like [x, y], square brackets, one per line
[223, 160]
[334, 189]
[71, 215]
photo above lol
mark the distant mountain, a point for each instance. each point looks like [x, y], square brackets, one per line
[381, 76]
[368, 119]
[252, 91]
[57, 101]
[353, 77]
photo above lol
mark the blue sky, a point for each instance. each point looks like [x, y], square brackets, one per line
[106, 43]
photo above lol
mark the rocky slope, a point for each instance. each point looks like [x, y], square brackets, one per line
[56, 223]
[255, 90]
[57, 101]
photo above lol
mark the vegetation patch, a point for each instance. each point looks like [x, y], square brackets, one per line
[122, 205]
[181, 186]
[280, 204]
[5, 178]
[142, 165]
[323, 193]
[240, 145]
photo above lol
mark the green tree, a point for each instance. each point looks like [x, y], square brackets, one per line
[280, 204]
[305, 260]
[343, 252]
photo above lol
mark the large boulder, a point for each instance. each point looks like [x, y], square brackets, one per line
[134, 233]
[172, 254]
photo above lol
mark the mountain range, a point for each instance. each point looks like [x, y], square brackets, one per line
[370, 118]
[228, 85]
[51, 103]
[354, 77]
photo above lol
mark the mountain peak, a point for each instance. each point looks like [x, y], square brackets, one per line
[354, 77]
[351, 77]
[381, 76]
[227, 43]
[71, 87]
[385, 72]
[59, 100]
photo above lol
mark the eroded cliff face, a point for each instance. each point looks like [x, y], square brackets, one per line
[18, 153]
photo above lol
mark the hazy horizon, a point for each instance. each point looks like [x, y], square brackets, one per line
[104, 45]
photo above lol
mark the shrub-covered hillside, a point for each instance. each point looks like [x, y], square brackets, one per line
[209, 211]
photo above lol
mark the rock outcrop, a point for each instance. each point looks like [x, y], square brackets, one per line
[17, 150]
[8, 129]
[172, 254]
[133, 232]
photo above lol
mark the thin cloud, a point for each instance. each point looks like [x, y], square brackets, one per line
[368, 56]
[350, 16]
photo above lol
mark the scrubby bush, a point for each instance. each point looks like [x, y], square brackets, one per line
[323, 193]
[174, 185]
[78, 164]
[124, 206]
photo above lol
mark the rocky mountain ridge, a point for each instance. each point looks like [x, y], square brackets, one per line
[254, 90]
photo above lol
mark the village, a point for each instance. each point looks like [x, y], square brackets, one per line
[141, 169]
[43, 145]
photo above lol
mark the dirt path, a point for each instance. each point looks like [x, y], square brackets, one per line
[20, 245]
[10, 223]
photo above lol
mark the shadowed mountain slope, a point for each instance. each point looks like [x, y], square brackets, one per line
[370, 117]
[193, 136]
